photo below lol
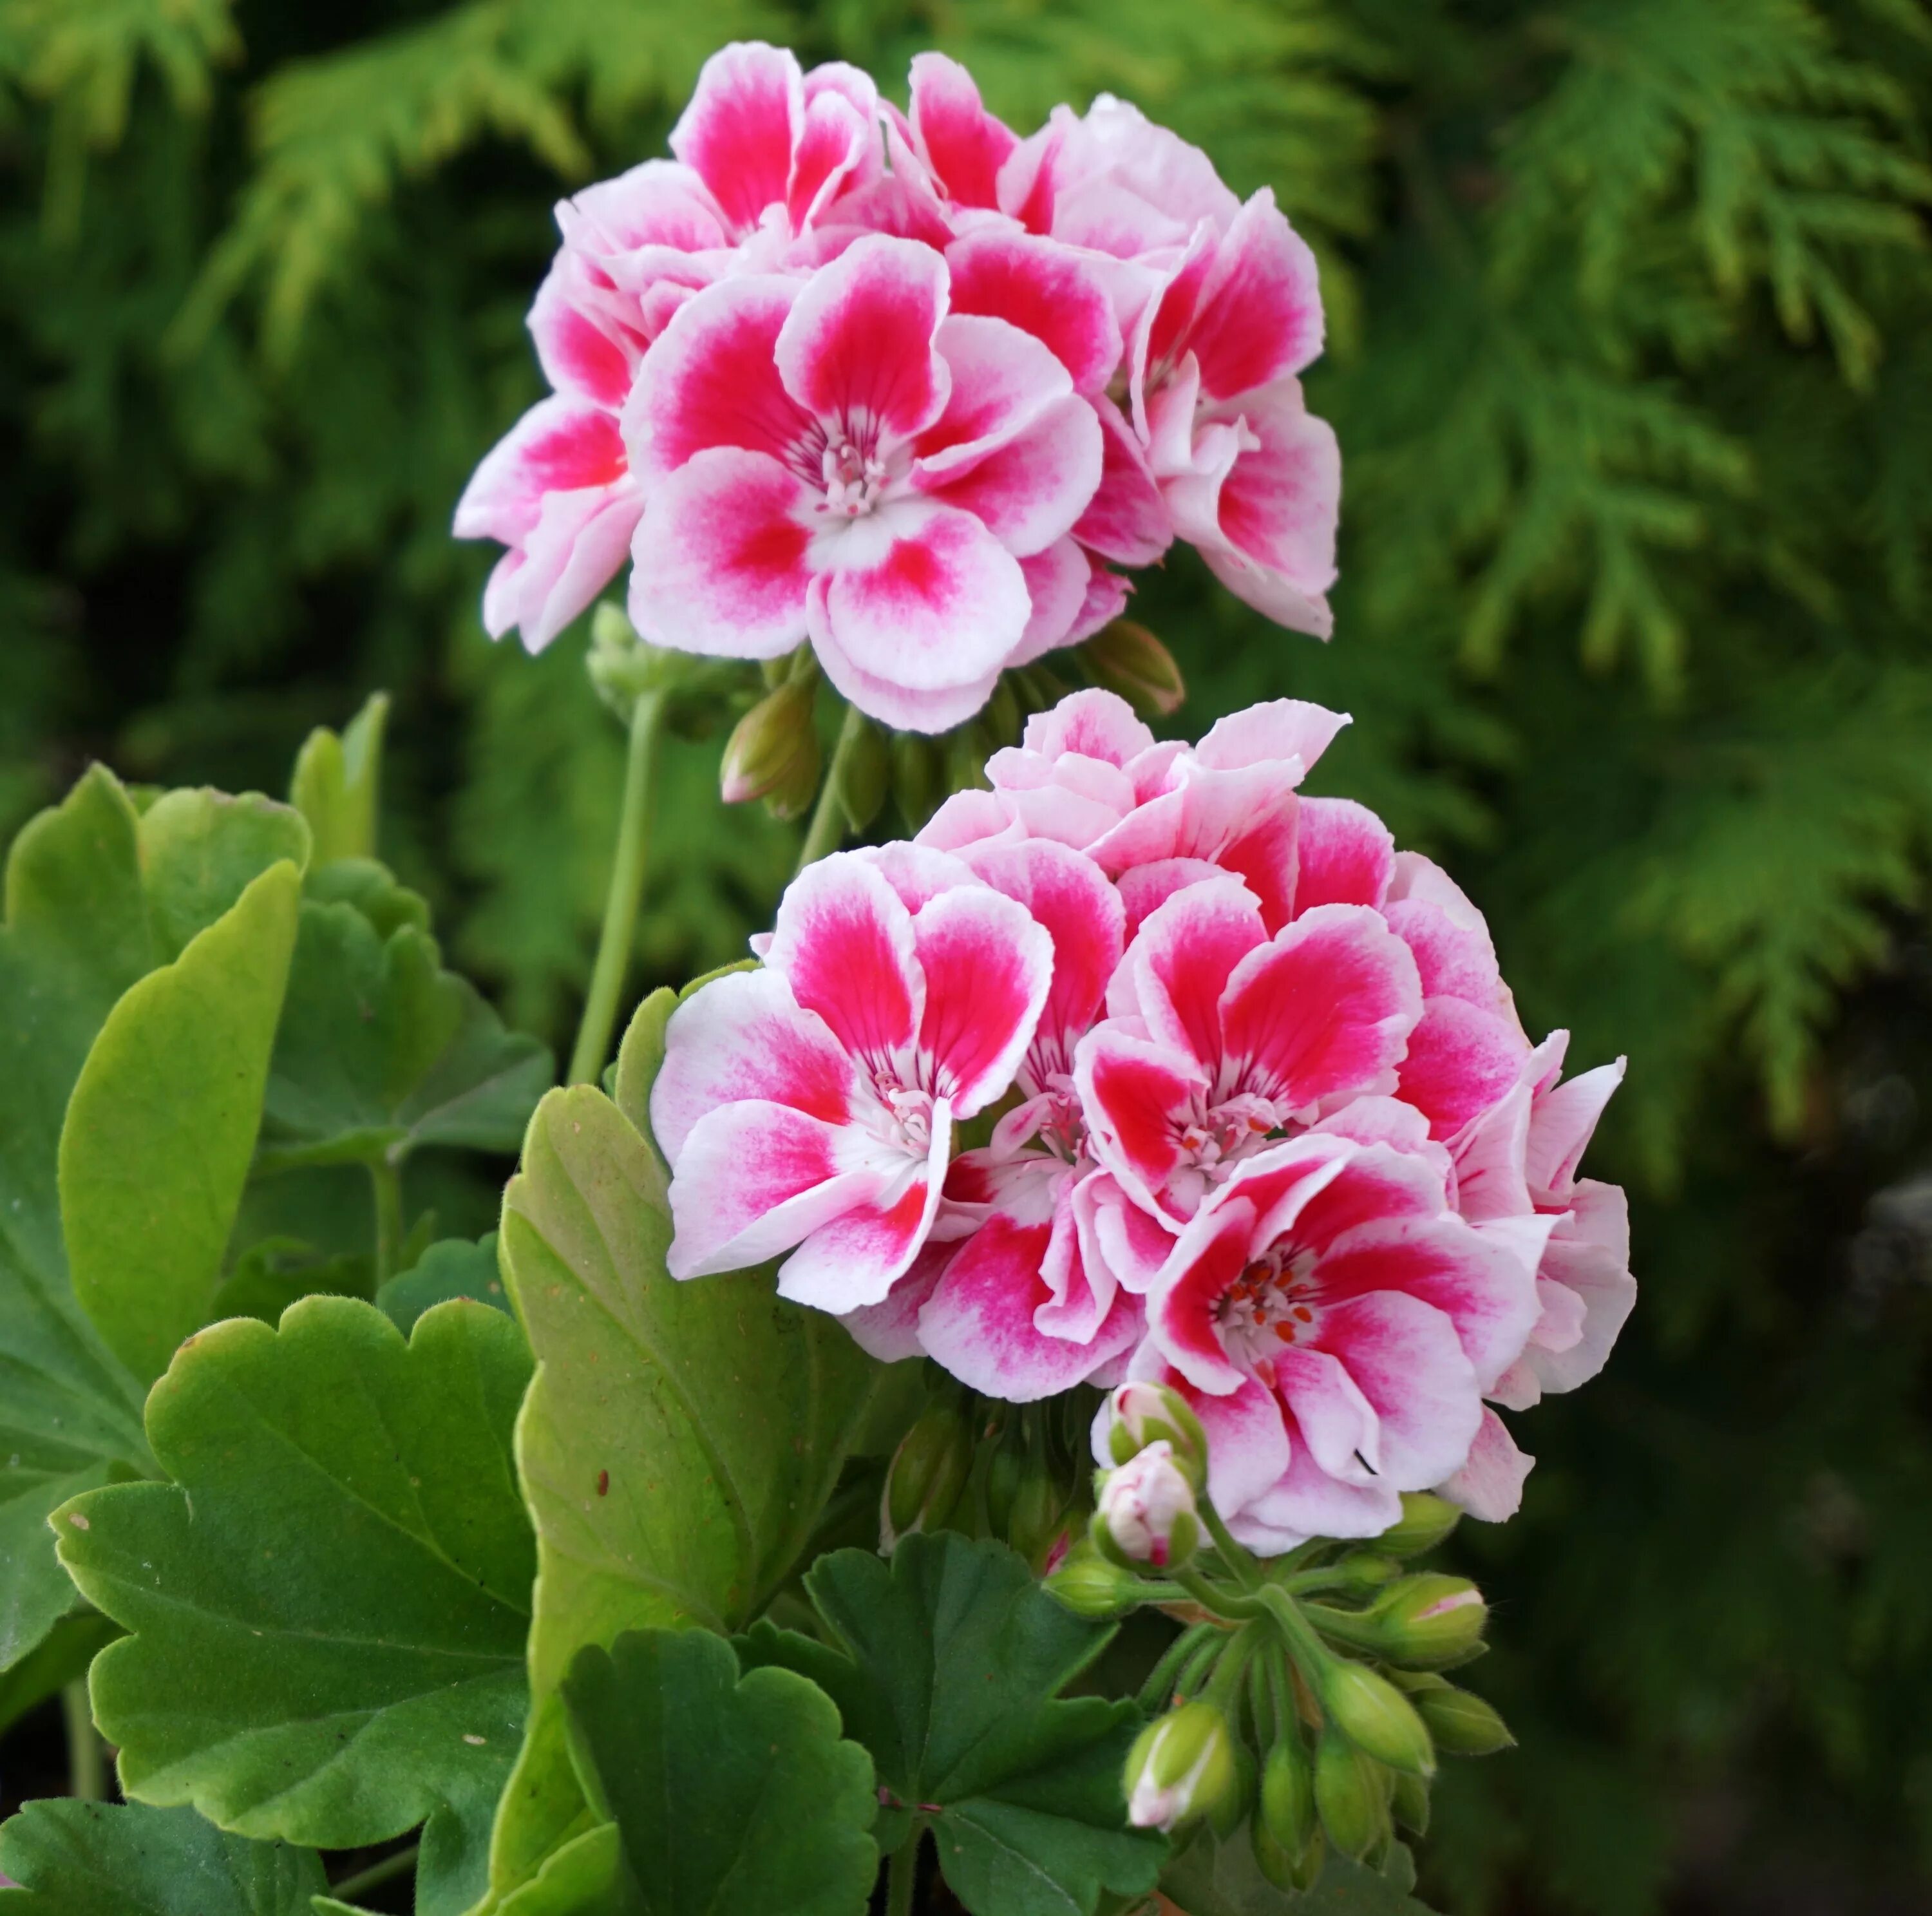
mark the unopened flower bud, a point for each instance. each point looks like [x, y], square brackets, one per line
[1127, 658]
[865, 773]
[1410, 1802]
[1349, 1794]
[1461, 1723]
[773, 754]
[1091, 1587]
[1006, 1470]
[1037, 1518]
[1426, 1521]
[1286, 1807]
[1376, 1717]
[927, 1474]
[1429, 1622]
[1145, 1413]
[1181, 1767]
[1147, 1513]
[918, 768]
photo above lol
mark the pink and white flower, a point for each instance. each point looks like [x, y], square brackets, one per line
[1334, 1324]
[811, 1103]
[840, 459]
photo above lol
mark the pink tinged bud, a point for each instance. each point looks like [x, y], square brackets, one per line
[1147, 1512]
[1126, 658]
[773, 753]
[1146, 1413]
[1180, 1768]
[1430, 1621]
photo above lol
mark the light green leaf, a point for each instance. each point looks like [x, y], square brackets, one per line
[455, 1267]
[337, 783]
[103, 1859]
[329, 1601]
[97, 896]
[729, 1793]
[580, 1879]
[680, 1439]
[952, 1656]
[161, 1125]
[381, 1051]
[542, 1814]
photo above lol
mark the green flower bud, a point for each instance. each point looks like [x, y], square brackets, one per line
[865, 773]
[1146, 1413]
[1181, 1767]
[773, 754]
[1039, 1511]
[1376, 1717]
[1429, 1622]
[1286, 1808]
[1003, 719]
[1410, 1802]
[1091, 1586]
[1146, 1513]
[1348, 1796]
[1462, 1723]
[928, 1473]
[1127, 658]
[1426, 1521]
[918, 770]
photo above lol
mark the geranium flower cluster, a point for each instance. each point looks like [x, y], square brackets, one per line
[1141, 1064]
[909, 387]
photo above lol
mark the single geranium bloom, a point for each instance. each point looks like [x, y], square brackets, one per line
[1027, 1301]
[1224, 1039]
[1334, 1324]
[811, 1103]
[838, 458]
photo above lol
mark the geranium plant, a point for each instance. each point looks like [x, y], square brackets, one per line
[955, 1404]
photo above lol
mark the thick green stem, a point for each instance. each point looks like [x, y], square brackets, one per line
[386, 1180]
[1216, 1600]
[1303, 1645]
[902, 1874]
[377, 1874]
[828, 819]
[86, 1760]
[1237, 1559]
[627, 888]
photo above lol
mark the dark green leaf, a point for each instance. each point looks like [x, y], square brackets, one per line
[161, 1125]
[268, 1277]
[100, 1859]
[60, 1656]
[730, 1794]
[1213, 1878]
[453, 1268]
[952, 1658]
[329, 1601]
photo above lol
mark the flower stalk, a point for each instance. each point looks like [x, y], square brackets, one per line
[827, 828]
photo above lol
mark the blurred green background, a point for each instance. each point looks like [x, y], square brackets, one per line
[1631, 359]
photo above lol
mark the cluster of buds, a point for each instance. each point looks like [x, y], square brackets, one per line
[774, 752]
[1303, 1698]
[987, 1469]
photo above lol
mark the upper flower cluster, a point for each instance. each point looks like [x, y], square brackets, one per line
[1246, 1110]
[909, 387]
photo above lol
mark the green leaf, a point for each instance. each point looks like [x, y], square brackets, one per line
[542, 1815]
[60, 1656]
[680, 1439]
[381, 1051]
[581, 1877]
[180, 1063]
[329, 1601]
[101, 1859]
[952, 1658]
[372, 887]
[456, 1267]
[267, 1277]
[337, 782]
[97, 896]
[730, 1793]
[1213, 1878]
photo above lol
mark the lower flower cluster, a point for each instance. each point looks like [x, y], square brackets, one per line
[1138, 1064]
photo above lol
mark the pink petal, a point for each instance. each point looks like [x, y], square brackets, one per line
[919, 596]
[710, 380]
[745, 1035]
[1127, 520]
[1561, 1125]
[1183, 959]
[1315, 1189]
[844, 943]
[889, 1330]
[1000, 381]
[1455, 961]
[968, 818]
[578, 545]
[1147, 887]
[1105, 600]
[1489, 1486]
[859, 342]
[1183, 1306]
[1406, 1360]
[722, 557]
[1067, 895]
[1489, 1153]
[1331, 1416]
[579, 357]
[1589, 1254]
[1137, 1095]
[962, 143]
[1116, 1236]
[1247, 1445]
[1044, 289]
[837, 139]
[917, 874]
[1275, 731]
[1345, 855]
[1260, 312]
[987, 966]
[1322, 1013]
[1308, 1503]
[559, 445]
[738, 131]
[1460, 1061]
[1059, 583]
[753, 1179]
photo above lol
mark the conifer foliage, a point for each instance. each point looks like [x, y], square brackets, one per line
[1631, 363]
